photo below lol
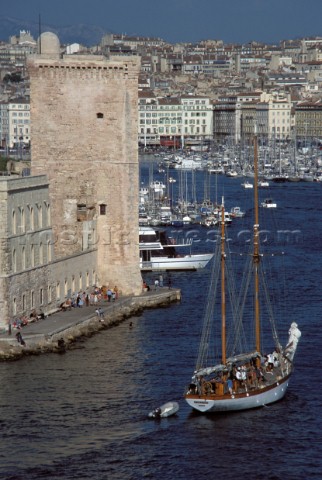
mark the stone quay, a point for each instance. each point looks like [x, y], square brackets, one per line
[60, 331]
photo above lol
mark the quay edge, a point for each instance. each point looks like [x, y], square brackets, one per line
[44, 341]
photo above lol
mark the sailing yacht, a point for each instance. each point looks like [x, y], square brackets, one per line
[248, 367]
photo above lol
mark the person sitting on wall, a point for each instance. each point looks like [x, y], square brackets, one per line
[33, 315]
[41, 315]
[24, 321]
[17, 323]
[67, 305]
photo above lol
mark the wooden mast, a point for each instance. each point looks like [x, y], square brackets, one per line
[256, 255]
[223, 290]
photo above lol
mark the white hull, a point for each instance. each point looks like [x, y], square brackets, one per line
[166, 410]
[189, 165]
[243, 401]
[247, 185]
[186, 262]
[269, 205]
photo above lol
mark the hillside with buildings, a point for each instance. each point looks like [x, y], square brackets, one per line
[190, 94]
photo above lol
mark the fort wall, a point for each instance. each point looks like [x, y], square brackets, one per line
[84, 138]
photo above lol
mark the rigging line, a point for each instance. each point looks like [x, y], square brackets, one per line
[240, 338]
[209, 310]
[237, 337]
[232, 292]
[270, 310]
[235, 320]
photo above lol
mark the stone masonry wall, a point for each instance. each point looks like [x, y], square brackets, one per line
[30, 277]
[84, 137]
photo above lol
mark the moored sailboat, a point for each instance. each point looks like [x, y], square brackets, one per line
[241, 375]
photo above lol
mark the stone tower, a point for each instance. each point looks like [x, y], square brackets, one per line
[84, 138]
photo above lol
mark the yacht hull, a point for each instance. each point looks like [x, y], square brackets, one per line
[244, 401]
[186, 262]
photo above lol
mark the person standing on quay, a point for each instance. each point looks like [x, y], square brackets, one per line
[161, 280]
[109, 295]
[116, 290]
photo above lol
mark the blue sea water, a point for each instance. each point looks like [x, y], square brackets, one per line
[83, 415]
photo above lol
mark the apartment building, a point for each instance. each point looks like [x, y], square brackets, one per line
[18, 122]
[174, 121]
[233, 115]
[237, 116]
[4, 124]
[308, 116]
[273, 117]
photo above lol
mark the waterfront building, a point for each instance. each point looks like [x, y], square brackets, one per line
[74, 222]
[273, 117]
[248, 118]
[170, 122]
[308, 118]
[197, 120]
[26, 246]
[235, 116]
[184, 121]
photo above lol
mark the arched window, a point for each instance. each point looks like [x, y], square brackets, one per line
[39, 216]
[14, 307]
[32, 299]
[48, 215]
[48, 251]
[23, 302]
[49, 293]
[32, 218]
[14, 223]
[22, 220]
[23, 258]
[58, 290]
[32, 255]
[100, 115]
[14, 261]
[80, 281]
[65, 287]
[41, 254]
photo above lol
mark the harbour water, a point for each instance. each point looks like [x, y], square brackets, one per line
[83, 415]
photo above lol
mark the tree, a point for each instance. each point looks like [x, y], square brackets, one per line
[14, 77]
